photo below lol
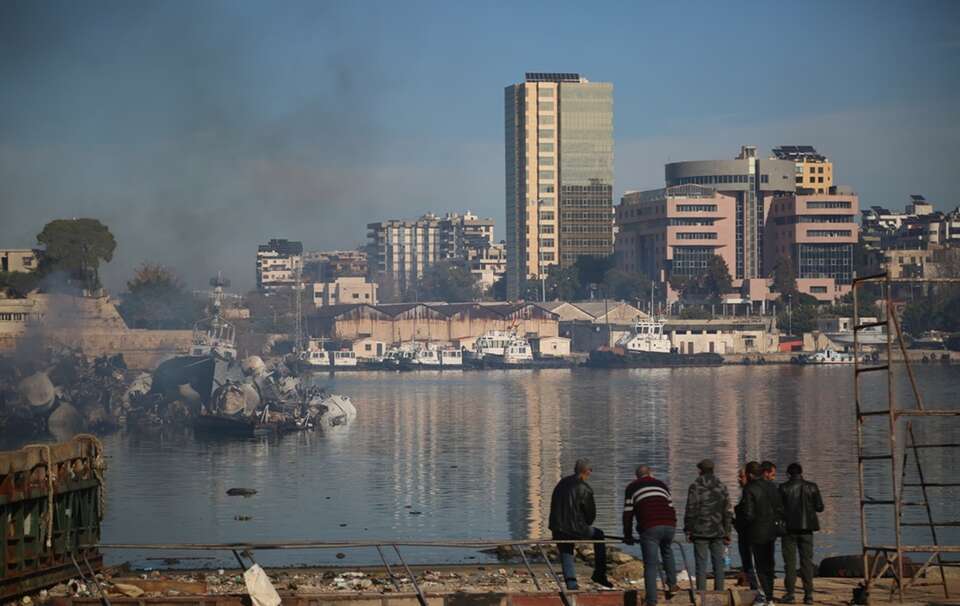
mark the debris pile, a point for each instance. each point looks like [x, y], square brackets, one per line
[62, 392]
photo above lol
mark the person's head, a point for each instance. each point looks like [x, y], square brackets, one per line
[644, 471]
[754, 471]
[769, 469]
[795, 470]
[705, 466]
[742, 478]
[583, 468]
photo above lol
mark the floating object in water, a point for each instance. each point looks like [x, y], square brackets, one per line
[241, 492]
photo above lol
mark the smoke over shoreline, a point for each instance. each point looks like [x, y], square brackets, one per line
[191, 130]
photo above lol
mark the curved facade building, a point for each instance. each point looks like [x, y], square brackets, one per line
[751, 183]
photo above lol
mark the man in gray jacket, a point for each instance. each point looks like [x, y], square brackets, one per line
[707, 523]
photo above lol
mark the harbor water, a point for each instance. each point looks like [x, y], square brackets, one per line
[464, 455]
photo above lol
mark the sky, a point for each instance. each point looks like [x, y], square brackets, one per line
[196, 130]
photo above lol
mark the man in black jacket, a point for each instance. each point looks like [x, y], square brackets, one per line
[572, 513]
[801, 504]
[763, 514]
[743, 536]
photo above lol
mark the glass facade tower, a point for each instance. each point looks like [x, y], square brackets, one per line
[559, 173]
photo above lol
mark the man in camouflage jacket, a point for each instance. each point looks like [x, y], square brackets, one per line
[707, 523]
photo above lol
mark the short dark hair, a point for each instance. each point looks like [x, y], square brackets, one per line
[795, 469]
[768, 466]
[753, 469]
[582, 465]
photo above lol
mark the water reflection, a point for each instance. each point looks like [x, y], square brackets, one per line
[465, 455]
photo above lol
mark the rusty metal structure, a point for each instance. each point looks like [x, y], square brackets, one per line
[922, 494]
[51, 505]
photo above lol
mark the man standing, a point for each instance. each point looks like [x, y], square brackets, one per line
[763, 514]
[648, 500]
[572, 513]
[801, 504]
[769, 469]
[743, 534]
[707, 522]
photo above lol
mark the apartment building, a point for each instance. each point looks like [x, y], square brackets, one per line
[19, 259]
[278, 264]
[748, 212]
[344, 290]
[400, 251]
[326, 266]
[814, 171]
[558, 131]
[817, 232]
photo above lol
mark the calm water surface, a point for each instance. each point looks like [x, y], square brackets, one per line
[478, 453]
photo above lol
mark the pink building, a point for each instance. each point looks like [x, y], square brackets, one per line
[817, 232]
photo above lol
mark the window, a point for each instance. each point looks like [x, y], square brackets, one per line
[546, 216]
[819, 179]
[829, 233]
[544, 92]
[546, 174]
[545, 147]
[546, 242]
[546, 119]
[356, 295]
[547, 106]
[367, 347]
[547, 189]
[685, 235]
[818, 289]
[695, 208]
[545, 133]
[545, 160]
[820, 170]
[829, 204]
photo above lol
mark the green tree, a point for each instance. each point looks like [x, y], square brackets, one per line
[716, 281]
[563, 283]
[156, 298]
[76, 247]
[449, 280]
[626, 285]
[797, 319]
[784, 277]
[591, 270]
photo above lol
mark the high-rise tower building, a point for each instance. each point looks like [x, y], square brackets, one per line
[559, 173]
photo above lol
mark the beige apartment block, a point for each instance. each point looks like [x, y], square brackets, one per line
[814, 171]
[559, 173]
[349, 289]
[19, 259]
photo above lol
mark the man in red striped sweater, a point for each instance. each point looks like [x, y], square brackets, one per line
[648, 500]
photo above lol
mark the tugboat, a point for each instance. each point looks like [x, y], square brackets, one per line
[497, 349]
[647, 346]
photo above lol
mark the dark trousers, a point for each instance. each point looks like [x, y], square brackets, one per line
[746, 558]
[763, 559]
[567, 557]
[712, 549]
[790, 545]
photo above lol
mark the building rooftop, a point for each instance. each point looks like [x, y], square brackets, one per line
[553, 77]
[284, 247]
[797, 152]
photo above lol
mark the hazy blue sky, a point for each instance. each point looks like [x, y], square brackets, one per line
[197, 129]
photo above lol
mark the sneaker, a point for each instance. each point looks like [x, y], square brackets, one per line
[808, 599]
[789, 599]
[572, 587]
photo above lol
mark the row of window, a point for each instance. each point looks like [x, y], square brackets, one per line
[718, 179]
[690, 221]
[14, 316]
[829, 233]
[829, 204]
[696, 235]
[595, 228]
[793, 219]
[586, 242]
[585, 215]
[697, 208]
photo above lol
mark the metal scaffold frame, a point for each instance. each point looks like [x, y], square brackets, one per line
[880, 560]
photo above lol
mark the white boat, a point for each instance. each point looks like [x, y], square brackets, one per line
[830, 356]
[317, 355]
[425, 356]
[214, 336]
[647, 337]
[344, 358]
[494, 342]
[504, 349]
[451, 357]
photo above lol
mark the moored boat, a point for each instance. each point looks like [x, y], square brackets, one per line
[647, 346]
